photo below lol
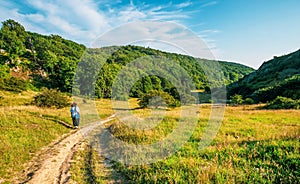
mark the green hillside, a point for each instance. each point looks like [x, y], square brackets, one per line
[277, 77]
[31, 61]
[115, 62]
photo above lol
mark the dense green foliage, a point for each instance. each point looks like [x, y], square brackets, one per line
[236, 99]
[49, 60]
[51, 98]
[283, 103]
[277, 77]
[158, 98]
[144, 69]
[289, 87]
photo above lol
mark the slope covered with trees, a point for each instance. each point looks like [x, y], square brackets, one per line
[31, 60]
[203, 73]
[47, 61]
[277, 77]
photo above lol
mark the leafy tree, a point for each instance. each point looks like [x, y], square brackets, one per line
[12, 36]
[236, 99]
[156, 99]
[53, 61]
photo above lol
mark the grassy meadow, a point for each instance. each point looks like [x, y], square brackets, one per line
[251, 146]
[25, 129]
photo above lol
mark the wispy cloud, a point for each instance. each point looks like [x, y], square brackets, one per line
[184, 4]
[84, 20]
[165, 36]
[211, 3]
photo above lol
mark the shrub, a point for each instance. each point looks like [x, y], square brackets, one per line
[157, 98]
[283, 103]
[4, 71]
[51, 98]
[236, 99]
[14, 84]
[248, 101]
[187, 99]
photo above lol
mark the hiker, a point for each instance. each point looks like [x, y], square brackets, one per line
[75, 114]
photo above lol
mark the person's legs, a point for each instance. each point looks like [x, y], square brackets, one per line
[74, 121]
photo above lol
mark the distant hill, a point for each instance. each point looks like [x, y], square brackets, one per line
[195, 67]
[277, 77]
[32, 60]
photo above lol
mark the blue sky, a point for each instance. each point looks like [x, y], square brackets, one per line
[244, 31]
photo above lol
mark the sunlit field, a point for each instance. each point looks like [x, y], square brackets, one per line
[251, 146]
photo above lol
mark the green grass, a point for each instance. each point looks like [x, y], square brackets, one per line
[8, 99]
[252, 146]
[85, 160]
[22, 135]
[89, 167]
[25, 129]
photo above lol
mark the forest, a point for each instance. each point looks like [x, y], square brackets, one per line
[32, 61]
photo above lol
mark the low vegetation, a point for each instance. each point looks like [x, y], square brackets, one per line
[252, 146]
[51, 98]
[87, 166]
[283, 103]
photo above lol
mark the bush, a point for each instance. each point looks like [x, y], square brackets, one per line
[187, 99]
[14, 84]
[248, 101]
[4, 71]
[51, 98]
[283, 103]
[158, 98]
[236, 99]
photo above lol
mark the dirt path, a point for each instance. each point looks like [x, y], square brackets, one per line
[55, 163]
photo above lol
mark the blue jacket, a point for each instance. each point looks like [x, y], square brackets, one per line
[75, 112]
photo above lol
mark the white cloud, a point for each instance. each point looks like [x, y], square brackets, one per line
[211, 3]
[130, 14]
[165, 36]
[75, 19]
[184, 4]
[84, 20]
